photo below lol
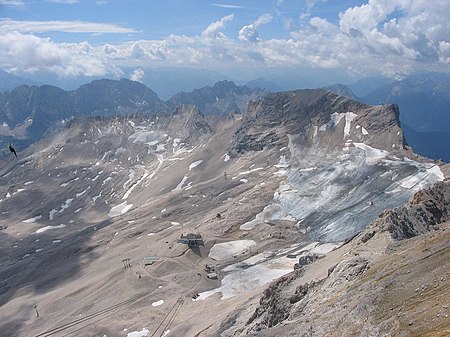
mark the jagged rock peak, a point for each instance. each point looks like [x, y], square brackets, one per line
[423, 213]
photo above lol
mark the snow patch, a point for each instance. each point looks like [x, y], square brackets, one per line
[94, 198]
[46, 228]
[142, 333]
[195, 164]
[373, 155]
[127, 194]
[349, 117]
[282, 163]
[335, 118]
[248, 172]
[249, 274]
[180, 185]
[269, 212]
[178, 147]
[226, 250]
[364, 131]
[31, 220]
[83, 192]
[120, 209]
[157, 303]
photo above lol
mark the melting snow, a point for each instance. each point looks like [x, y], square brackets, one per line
[178, 147]
[83, 192]
[259, 270]
[245, 276]
[51, 213]
[94, 199]
[67, 183]
[269, 212]
[44, 229]
[142, 333]
[420, 179]
[31, 220]
[180, 185]
[127, 194]
[282, 163]
[349, 117]
[195, 164]
[157, 303]
[248, 172]
[373, 155]
[106, 180]
[226, 250]
[335, 118]
[120, 209]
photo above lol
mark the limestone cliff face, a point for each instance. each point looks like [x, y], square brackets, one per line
[321, 118]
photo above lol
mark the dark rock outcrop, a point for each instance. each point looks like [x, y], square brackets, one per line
[426, 209]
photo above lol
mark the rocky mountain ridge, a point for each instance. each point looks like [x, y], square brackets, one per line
[376, 288]
[105, 193]
[29, 113]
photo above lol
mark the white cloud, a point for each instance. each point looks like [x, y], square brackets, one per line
[228, 6]
[309, 6]
[12, 3]
[263, 20]
[213, 30]
[392, 37]
[28, 54]
[249, 32]
[62, 26]
[137, 75]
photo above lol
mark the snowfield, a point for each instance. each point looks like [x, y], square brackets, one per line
[226, 250]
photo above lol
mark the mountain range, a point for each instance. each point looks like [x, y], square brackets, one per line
[423, 100]
[28, 113]
[309, 204]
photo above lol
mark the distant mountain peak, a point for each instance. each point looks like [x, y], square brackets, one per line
[224, 97]
[342, 90]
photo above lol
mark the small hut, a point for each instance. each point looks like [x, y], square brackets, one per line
[192, 240]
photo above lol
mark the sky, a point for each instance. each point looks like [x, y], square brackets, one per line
[103, 38]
